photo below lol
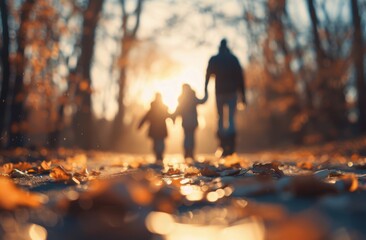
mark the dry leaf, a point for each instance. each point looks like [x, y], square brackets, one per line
[7, 168]
[46, 166]
[347, 182]
[268, 169]
[172, 171]
[12, 197]
[307, 165]
[95, 173]
[75, 163]
[23, 166]
[191, 171]
[207, 172]
[59, 174]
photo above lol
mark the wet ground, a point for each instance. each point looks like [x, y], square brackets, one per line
[297, 193]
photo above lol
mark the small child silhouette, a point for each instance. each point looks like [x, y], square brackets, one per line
[187, 109]
[156, 117]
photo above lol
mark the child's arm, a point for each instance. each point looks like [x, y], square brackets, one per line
[174, 115]
[143, 120]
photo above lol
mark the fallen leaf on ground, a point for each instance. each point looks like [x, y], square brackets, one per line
[191, 171]
[7, 168]
[268, 169]
[59, 174]
[173, 171]
[235, 161]
[12, 197]
[207, 172]
[22, 166]
[307, 165]
[45, 166]
[347, 182]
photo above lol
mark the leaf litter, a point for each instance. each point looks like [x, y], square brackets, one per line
[272, 195]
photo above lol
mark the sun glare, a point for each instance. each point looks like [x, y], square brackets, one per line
[170, 88]
[170, 93]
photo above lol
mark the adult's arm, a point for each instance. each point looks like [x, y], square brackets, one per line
[241, 83]
[202, 100]
[242, 86]
[209, 72]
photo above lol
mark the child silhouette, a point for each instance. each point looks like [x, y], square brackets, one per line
[187, 109]
[156, 116]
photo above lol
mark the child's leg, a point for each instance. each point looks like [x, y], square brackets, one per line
[159, 147]
[220, 112]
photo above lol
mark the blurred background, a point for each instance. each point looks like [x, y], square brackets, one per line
[81, 74]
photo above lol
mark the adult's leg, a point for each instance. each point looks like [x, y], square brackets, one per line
[188, 143]
[220, 112]
[232, 109]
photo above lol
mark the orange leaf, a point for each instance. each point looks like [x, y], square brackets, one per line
[12, 197]
[23, 166]
[46, 166]
[59, 174]
[7, 168]
[209, 172]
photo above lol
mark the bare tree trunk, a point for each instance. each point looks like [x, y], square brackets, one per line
[314, 24]
[5, 69]
[358, 56]
[330, 114]
[83, 118]
[281, 80]
[127, 43]
[18, 115]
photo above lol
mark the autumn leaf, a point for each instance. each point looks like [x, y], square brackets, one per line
[268, 169]
[173, 171]
[7, 168]
[59, 174]
[235, 161]
[75, 163]
[45, 166]
[23, 166]
[12, 197]
[208, 172]
[191, 171]
[347, 182]
[307, 165]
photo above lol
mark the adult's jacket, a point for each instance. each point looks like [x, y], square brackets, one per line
[228, 73]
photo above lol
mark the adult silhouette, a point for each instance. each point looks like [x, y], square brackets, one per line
[229, 85]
